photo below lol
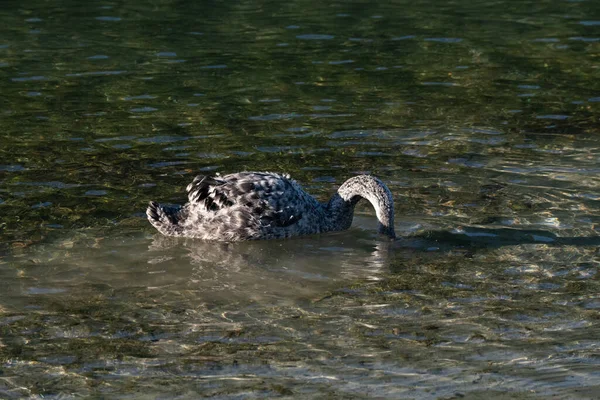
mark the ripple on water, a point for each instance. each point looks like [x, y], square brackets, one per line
[115, 138]
[374, 133]
[41, 205]
[585, 39]
[486, 131]
[590, 23]
[98, 57]
[211, 155]
[444, 40]
[12, 168]
[51, 184]
[341, 115]
[29, 78]
[269, 100]
[315, 37]
[553, 116]
[143, 109]
[341, 62]
[529, 87]
[439, 84]
[162, 164]
[41, 290]
[108, 19]
[139, 97]
[59, 359]
[279, 149]
[360, 40]
[96, 73]
[273, 117]
[96, 193]
[163, 139]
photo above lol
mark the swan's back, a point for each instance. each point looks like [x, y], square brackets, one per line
[241, 206]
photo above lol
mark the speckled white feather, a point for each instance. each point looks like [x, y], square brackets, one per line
[267, 205]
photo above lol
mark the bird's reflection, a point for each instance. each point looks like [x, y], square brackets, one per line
[301, 266]
[314, 264]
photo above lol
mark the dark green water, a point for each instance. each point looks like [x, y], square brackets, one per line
[482, 117]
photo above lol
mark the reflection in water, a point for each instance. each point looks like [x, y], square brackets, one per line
[261, 270]
[312, 314]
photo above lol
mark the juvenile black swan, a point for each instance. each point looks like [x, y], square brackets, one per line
[265, 205]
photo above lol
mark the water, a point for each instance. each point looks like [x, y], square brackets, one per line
[480, 116]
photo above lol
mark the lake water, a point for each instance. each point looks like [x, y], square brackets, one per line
[482, 117]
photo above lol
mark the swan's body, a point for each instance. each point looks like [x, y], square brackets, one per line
[265, 205]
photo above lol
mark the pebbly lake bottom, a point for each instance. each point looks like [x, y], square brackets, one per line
[458, 314]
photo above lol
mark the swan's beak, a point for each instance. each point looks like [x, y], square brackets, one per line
[388, 231]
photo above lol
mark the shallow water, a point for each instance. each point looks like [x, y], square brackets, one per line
[481, 116]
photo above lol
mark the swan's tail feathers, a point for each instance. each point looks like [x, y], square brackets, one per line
[165, 218]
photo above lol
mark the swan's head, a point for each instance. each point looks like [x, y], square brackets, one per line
[387, 230]
[378, 194]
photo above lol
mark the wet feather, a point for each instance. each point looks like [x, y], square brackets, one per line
[265, 205]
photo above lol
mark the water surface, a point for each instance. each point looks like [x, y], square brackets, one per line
[482, 117]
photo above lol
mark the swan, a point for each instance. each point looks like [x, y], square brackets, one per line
[267, 205]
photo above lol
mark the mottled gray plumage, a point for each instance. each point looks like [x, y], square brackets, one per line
[265, 205]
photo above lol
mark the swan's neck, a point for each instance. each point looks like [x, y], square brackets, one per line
[367, 187]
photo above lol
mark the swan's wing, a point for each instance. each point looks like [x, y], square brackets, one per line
[209, 193]
[271, 198]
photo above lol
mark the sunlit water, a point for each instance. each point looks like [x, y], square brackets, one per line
[482, 117]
